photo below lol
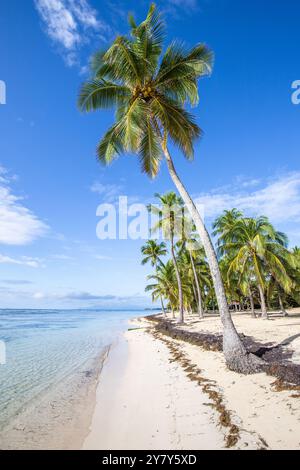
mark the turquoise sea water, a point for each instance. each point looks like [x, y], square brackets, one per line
[43, 347]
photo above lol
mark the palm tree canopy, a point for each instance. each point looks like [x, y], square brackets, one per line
[172, 217]
[153, 252]
[225, 222]
[255, 240]
[149, 90]
[163, 283]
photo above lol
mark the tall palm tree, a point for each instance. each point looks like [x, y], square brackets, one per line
[255, 242]
[153, 252]
[150, 91]
[192, 253]
[170, 221]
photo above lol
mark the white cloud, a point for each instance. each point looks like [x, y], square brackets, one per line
[70, 23]
[184, 3]
[38, 295]
[177, 7]
[24, 260]
[97, 300]
[62, 257]
[103, 257]
[16, 282]
[18, 224]
[278, 199]
[109, 192]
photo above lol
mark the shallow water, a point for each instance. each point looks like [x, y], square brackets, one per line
[46, 347]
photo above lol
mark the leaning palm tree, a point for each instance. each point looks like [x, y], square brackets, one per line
[153, 252]
[170, 215]
[150, 91]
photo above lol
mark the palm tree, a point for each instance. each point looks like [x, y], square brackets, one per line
[164, 284]
[293, 268]
[255, 243]
[150, 91]
[153, 252]
[225, 222]
[170, 221]
[192, 253]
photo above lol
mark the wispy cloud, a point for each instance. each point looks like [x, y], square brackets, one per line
[16, 282]
[192, 4]
[23, 260]
[177, 7]
[278, 198]
[18, 224]
[62, 257]
[70, 24]
[109, 192]
[103, 258]
[93, 299]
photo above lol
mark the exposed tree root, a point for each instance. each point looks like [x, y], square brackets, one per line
[269, 358]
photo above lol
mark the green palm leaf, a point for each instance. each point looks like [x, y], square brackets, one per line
[150, 150]
[97, 94]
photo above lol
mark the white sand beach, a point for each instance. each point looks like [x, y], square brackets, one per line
[153, 404]
[146, 400]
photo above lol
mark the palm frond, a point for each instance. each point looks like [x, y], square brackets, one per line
[123, 62]
[180, 69]
[177, 123]
[97, 94]
[149, 36]
[150, 150]
[111, 145]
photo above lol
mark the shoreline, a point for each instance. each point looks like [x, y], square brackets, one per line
[168, 393]
[59, 417]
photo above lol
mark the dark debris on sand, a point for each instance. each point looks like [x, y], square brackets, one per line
[277, 358]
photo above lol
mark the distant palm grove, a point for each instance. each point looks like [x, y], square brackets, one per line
[259, 272]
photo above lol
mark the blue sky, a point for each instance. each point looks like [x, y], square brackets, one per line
[50, 182]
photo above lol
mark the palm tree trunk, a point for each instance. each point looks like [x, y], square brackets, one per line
[181, 314]
[264, 312]
[162, 305]
[252, 304]
[235, 353]
[283, 311]
[172, 310]
[194, 292]
[199, 298]
[161, 299]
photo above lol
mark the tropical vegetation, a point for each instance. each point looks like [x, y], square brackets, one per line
[259, 272]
